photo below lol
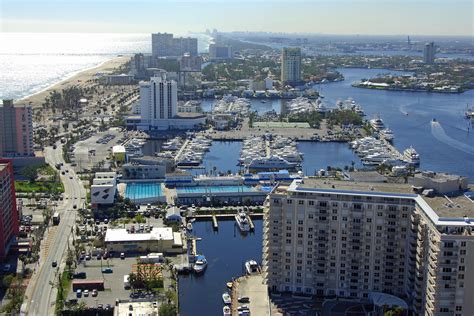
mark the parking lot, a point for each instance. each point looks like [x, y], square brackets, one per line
[91, 151]
[283, 304]
[113, 282]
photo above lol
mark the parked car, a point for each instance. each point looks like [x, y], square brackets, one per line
[107, 270]
[122, 255]
[54, 264]
[94, 293]
[79, 275]
[86, 293]
[79, 293]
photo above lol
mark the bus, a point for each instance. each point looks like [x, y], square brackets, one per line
[56, 218]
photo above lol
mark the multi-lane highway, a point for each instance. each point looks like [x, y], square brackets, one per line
[41, 294]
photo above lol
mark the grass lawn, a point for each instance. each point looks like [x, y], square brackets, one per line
[38, 186]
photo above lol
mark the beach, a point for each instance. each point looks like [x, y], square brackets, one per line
[79, 79]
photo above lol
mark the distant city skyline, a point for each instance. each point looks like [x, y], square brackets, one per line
[365, 17]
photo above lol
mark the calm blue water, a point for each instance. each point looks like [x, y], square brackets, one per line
[447, 146]
[137, 190]
[321, 155]
[31, 62]
[223, 156]
[216, 189]
[226, 251]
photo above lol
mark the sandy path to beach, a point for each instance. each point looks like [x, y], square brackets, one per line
[79, 79]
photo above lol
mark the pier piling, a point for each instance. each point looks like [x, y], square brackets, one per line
[214, 222]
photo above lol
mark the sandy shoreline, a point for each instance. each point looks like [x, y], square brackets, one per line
[78, 79]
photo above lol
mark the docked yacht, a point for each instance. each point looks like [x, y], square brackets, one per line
[251, 267]
[386, 134]
[411, 156]
[377, 124]
[200, 264]
[273, 162]
[226, 298]
[377, 158]
[242, 222]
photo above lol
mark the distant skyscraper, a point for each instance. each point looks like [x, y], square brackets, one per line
[16, 130]
[291, 65]
[9, 213]
[220, 51]
[429, 53]
[164, 45]
[158, 101]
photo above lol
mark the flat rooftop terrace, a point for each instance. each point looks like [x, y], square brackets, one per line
[458, 206]
[355, 186]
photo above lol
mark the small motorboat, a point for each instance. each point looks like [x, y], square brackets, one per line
[226, 311]
[229, 285]
[226, 298]
[200, 264]
[189, 226]
[251, 267]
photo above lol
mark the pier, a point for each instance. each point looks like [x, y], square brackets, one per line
[251, 225]
[214, 222]
[180, 151]
[224, 216]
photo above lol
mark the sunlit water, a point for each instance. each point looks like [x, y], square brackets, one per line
[31, 62]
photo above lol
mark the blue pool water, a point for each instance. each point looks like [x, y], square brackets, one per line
[137, 191]
[216, 189]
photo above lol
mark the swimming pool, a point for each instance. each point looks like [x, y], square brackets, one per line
[216, 189]
[140, 191]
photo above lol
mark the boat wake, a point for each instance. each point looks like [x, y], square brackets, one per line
[402, 109]
[439, 133]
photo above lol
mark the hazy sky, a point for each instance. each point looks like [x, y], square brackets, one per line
[415, 17]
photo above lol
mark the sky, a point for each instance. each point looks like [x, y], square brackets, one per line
[372, 17]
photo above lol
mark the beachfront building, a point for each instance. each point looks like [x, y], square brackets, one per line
[122, 79]
[429, 51]
[103, 189]
[159, 108]
[161, 239]
[9, 213]
[291, 65]
[165, 45]
[359, 239]
[16, 130]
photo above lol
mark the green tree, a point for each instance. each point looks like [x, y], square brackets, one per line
[30, 172]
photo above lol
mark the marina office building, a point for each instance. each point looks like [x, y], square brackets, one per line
[360, 239]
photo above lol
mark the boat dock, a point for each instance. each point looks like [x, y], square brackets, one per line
[214, 222]
[393, 150]
[224, 216]
[267, 148]
[180, 151]
[251, 224]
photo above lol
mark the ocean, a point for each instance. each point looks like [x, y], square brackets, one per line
[32, 62]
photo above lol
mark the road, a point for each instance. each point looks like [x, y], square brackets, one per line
[41, 295]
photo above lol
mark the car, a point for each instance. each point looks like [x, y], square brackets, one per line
[79, 275]
[98, 256]
[107, 270]
[243, 308]
[100, 306]
[7, 267]
[88, 257]
[74, 206]
[86, 293]
[108, 306]
[106, 221]
[70, 177]
[243, 299]
[94, 293]
[63, 173]
[122, 255]
[79, 293]
[54, 264]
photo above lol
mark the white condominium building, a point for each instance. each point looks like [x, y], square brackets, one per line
[357, 239]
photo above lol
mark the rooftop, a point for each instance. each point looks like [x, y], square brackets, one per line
[137, 308]
[121, 234]
[189, 115]
[453, 206]
[356, 186]
[3, 166]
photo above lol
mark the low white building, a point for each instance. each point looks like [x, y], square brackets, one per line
[103, 189]
[161, 239]
[121, 79]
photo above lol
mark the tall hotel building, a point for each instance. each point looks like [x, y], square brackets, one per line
[8, 210]
[429, 51]
[291, 65]
[16, 130]
[358, 239]
[165, 45]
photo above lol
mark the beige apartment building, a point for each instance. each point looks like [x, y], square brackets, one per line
[291, 65]
[358, 239]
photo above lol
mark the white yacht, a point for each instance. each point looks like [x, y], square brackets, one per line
[200, 264]
[226, 298]
[226, 311]
[376, 159]
[273, 162]
[387, 134]
[377, 124]
[411, 156]
[242, 222]
[251, 267]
